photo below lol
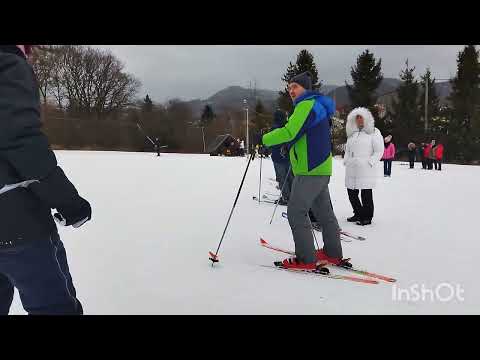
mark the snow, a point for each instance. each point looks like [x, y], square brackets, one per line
[155, 219]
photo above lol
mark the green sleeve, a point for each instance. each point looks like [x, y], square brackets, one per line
[292, 127]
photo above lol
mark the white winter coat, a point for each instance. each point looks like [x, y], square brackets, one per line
[363, 151]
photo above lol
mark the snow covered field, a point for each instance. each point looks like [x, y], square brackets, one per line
[155, 219]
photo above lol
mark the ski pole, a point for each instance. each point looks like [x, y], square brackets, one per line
[214, 257]
[281, 192]
[260, 182]
[261, 161]
[144, 134]
[313, 231]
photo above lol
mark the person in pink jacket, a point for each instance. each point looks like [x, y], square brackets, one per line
[388, 156]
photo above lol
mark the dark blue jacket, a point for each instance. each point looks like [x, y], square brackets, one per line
[25, 155]
[279, 120]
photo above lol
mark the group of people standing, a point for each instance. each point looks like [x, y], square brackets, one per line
[430, 155]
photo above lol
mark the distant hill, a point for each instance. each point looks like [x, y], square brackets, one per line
[443, 90]
[328, 88]
[387, 91]
[232, 98]
[340, 94]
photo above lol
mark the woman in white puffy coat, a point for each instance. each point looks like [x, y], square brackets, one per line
[363, 152]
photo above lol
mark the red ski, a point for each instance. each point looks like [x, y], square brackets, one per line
[330, 276]
[357, 271]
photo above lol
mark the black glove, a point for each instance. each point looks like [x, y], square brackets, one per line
[262, 150]
[58, 192]
[284, 151]
[74, 214]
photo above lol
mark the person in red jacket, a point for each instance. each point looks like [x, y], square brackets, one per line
[426, 154]
[438, 151]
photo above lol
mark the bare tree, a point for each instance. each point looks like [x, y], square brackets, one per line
[85, 80]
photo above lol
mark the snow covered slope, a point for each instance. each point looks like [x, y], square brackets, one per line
[155, 219]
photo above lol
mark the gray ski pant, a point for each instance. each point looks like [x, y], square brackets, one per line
[311, 192]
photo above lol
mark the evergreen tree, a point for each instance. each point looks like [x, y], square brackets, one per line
[205, 120]
[366, 76]
[207, 116]
[262, 120]
[304, 62]
[406, 118]
[464, 128]
[147, 104]
[432, 100]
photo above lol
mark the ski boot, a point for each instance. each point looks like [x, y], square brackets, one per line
[321, 256]
[294, 264]
[353, 218]
[364, 222]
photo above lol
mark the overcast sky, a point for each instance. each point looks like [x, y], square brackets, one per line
[198, 71]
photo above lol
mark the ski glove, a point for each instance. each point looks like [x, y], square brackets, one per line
[76, 214]
[57, 192]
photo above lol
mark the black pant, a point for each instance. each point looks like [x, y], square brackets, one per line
[430, 164]
[424, 163]
[283, 175]
[364, 209]
[39, 270]
[387, 167]
[411, 159]
[438, 164]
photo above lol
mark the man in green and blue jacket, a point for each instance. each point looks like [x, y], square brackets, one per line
[307, 134]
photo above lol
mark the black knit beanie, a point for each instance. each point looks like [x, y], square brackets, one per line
[304, 80]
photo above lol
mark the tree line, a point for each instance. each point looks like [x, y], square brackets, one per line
[456, 125]
[89, 101]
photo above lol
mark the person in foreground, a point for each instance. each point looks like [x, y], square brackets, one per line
[32, 256]
[307, 133]
[363, 152]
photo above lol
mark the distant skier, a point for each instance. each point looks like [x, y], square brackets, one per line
[363, 152]
[388, 156]
[307, 132]
[412, 148]
[281, 161]
[32, 256]
[157, 146]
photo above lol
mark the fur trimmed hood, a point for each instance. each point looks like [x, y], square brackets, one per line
[352, 127]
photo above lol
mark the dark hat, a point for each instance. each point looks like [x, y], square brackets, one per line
[304, 80]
